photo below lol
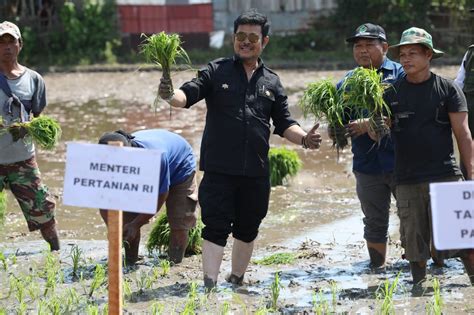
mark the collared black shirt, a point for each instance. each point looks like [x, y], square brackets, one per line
[237, 131]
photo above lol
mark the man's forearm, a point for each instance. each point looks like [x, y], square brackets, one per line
[178, 99]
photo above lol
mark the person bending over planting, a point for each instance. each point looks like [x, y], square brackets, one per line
[22, 93]
[426, 110]
[242, 96]
[372, 162]
[177, 189]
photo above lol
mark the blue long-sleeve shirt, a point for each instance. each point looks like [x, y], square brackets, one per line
[370, 157]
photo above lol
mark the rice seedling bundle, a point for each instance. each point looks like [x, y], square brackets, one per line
[164, 49]
[160, 235]
[363, 91]
[322, 100]
[283, 164]
[44, 131]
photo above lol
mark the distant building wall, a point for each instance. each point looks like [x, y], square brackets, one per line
[286, 16]
[192, 19]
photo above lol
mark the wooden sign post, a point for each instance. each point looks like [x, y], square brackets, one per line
[114, 235]
[117, 179]
[114, 219]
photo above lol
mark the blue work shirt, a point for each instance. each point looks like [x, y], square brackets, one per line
[370, 157]
[177, 157]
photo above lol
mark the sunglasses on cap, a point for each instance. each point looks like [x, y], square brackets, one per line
[253, 38]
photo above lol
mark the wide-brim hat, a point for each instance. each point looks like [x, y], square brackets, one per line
[10, 28]
[415, 35]
[368, 30]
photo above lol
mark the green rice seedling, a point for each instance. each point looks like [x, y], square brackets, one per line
[275, 291]
[435, 306]
[334, 291]
[160, 235]
[320, 304]
[192, 301]
[143, 282]
[53, 272]
[55, 306]
[3, 206]
[3, 260]
[33, 288]
[276, 259]
[163, 50]
[225, 308]
[384, 295]
[283, 163]
[77, 259]
[127, 289]
[363, 91]
[322, 100]
[263, 310]
[18, 287]
[12, 258]
[72, 298]
[157, 308]
[243, 306]
[44, 131]
[92, 309]
[98, 280]
[22, 308]
[42, 307]
[165, 267]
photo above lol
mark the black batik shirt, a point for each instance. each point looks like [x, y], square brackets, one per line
[237, 131]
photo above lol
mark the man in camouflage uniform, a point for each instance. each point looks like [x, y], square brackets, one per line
[22, 92]
[465, 79]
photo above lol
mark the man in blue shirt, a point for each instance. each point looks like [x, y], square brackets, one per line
[177, 188]
[372, 162]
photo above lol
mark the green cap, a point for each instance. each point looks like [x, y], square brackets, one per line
[415, 35]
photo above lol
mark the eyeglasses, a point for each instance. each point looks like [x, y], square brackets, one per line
[253, 38]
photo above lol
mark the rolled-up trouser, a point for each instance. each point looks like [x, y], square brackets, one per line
[36, 203]
[181, 204]
[232, 204]
[416, 229]
[374, 192]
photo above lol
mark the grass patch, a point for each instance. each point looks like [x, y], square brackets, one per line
[277, 259]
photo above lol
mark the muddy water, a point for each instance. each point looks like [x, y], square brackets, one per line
[318, 206]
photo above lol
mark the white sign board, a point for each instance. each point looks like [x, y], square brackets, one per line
[111, 177]
[452, 208]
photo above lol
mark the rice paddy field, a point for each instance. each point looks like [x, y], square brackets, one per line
[310, 257]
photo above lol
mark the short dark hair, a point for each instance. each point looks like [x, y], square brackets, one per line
[253, 17]
[119, 135]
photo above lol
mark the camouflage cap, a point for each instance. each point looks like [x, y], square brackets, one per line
[415, 35]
